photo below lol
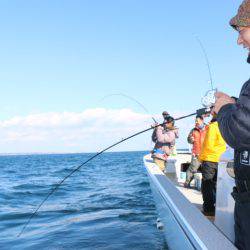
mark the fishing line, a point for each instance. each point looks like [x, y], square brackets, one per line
[207, 61]
[91, 158]
[132, 99]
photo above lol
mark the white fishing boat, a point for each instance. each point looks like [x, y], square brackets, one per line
[179, 208]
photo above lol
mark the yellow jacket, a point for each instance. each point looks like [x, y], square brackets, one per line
[214, 145]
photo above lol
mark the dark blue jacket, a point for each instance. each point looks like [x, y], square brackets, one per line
[234, 120]
[234, 125]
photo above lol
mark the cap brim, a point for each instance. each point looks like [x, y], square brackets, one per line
[234, 23]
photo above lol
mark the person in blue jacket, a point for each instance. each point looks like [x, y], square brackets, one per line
[234, 124]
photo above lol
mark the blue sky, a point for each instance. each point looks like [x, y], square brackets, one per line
[65, 56]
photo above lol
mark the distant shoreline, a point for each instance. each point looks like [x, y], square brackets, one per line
[65, 153]
[72, 153]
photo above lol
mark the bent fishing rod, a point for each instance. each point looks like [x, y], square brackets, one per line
[198, 112]
[207, 61]
[209, 99]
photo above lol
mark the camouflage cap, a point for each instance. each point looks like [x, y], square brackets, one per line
[242, 19]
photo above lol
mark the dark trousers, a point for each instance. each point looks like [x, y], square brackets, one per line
[241, 195]
[242, 225]
[208, 186]
[192, 169]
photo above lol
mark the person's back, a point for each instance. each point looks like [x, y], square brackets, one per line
[213, 146]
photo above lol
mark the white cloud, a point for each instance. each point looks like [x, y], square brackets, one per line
[90, 130]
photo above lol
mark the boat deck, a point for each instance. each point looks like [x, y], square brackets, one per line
[192, 194]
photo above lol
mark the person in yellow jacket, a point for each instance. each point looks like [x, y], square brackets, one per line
[212, 148]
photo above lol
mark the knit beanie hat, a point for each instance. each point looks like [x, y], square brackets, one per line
[242, 19]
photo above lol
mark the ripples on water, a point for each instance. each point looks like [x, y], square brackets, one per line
[106, 205]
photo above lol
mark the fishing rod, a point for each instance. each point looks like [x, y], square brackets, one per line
[198, 112]
[209, 99]
[132, 99]
[207, 61]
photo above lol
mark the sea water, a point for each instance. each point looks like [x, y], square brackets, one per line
[107, 204]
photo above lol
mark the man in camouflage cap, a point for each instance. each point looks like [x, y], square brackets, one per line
[234, 124]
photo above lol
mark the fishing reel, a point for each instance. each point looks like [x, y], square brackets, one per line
[208, 101]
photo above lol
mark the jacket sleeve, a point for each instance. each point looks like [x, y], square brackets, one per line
[190, 141]
[164, 137]
[234, 120]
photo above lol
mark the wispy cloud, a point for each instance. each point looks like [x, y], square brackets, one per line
[85, 131]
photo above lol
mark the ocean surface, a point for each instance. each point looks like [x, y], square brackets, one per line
[106, 205]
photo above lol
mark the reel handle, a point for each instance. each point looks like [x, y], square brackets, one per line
[208, 100]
